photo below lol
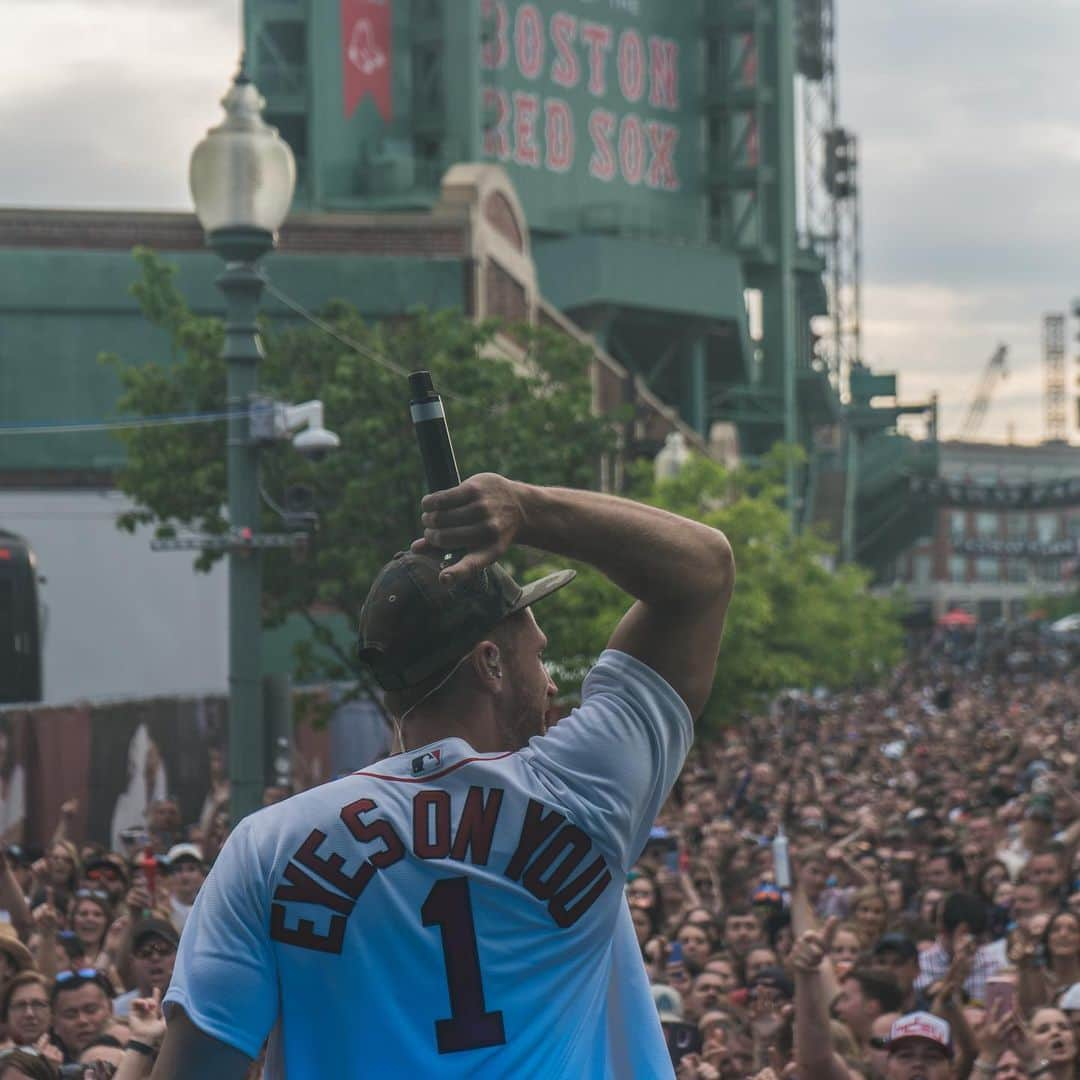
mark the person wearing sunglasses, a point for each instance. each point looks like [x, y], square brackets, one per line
[82, 1009]
[108, 872]
[150, 967]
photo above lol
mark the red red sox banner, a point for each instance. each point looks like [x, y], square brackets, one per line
[366, 39]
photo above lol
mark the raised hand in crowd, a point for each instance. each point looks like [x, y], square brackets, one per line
[49, 1050]
[694, 1067]
[47, 921]
[1023, 948]
[147, 1026]
[139, 902]
[808, 953]
[1001, 1028]
[116, 937]
[147, 1023]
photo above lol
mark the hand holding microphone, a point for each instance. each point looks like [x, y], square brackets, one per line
[476, 521]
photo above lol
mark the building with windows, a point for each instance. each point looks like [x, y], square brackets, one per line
[1007, 529]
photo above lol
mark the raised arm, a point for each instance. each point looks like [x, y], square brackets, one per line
[813, 1037]
[1032, 988]
[679, 572]
[804, 918]
[948, 1005]
[13, 901]
[68, 810]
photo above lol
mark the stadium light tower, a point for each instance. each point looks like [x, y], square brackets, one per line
[242, 179]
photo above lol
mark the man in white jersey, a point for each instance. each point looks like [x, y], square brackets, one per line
[457, 910]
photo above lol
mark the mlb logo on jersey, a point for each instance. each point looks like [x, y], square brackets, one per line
[429, 759]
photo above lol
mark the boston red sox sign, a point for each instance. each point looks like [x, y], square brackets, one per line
[599, 92]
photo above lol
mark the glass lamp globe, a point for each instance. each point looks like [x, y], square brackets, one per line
[243, 173]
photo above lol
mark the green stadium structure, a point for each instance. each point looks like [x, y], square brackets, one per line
[656, 151]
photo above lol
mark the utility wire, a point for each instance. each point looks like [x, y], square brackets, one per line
[326, 328]
[165, 420]
[349, 343]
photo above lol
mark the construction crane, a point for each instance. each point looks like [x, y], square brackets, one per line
[1057, 427]
[994, 372]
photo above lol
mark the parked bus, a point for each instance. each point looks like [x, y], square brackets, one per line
[20, 621]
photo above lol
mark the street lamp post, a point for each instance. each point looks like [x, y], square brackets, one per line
[242, 180]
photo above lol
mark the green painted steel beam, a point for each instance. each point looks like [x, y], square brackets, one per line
[585, 271]
[786, 229]
[698, 385]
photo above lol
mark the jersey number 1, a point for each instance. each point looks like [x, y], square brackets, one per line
[449, 907]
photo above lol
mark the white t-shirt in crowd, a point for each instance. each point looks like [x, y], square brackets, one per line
[448, 913]
[178, 913]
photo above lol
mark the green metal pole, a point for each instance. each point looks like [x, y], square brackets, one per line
[242, 287]
[851, 486]
[699, 389]
[785, 118]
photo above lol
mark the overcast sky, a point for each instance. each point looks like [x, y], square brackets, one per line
[966, 111]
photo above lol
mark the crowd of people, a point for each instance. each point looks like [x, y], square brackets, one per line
[88, 939]
[924, 921]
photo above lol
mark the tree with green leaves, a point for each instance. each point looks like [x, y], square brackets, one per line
[793, 621]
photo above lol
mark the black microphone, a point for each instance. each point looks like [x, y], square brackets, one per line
[432, 434]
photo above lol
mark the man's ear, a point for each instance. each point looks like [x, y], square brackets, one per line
[487, 664]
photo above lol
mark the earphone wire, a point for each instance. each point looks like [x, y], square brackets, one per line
[400, 720]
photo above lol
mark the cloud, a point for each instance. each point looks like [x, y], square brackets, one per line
[940, 340]
[111, 119]
[965, 112]
[969, 164]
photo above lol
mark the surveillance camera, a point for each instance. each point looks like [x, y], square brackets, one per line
[316, 443]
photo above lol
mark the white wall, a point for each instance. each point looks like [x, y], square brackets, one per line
[122, 620]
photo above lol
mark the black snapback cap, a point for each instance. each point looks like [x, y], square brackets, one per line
[412, 626]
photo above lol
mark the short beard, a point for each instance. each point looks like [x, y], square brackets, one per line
[522, 724]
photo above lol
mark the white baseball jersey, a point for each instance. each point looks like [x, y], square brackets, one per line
[448, 913]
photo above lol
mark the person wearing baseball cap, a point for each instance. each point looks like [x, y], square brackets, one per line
[669, 1004]
[920, 1048]
[899, 954]
[110, 872]
[153, 945]
[481, 871]
[185, 873]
